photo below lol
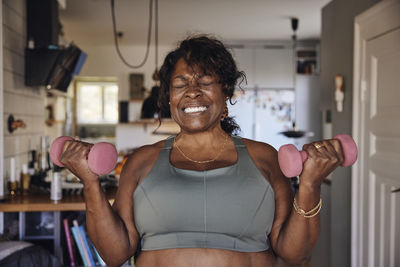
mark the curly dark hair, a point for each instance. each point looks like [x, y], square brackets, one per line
[212, 58]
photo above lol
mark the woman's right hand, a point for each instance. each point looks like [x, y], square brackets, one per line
[74, 157]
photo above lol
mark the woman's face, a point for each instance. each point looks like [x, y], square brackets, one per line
[196, 100]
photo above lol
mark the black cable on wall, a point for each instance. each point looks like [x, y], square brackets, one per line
[148, 35]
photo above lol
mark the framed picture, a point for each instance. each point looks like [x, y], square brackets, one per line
[137, 89]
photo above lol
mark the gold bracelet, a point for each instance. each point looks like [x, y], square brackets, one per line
[307, 214]
[296, 206]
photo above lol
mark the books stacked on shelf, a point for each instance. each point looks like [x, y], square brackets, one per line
[87, 252]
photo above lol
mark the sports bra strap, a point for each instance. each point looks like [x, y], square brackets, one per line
[238, 141]
[169, 142]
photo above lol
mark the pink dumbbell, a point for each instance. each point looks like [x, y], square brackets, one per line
[102, 157]
[291, 160]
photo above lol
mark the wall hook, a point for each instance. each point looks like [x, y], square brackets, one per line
[13, 124]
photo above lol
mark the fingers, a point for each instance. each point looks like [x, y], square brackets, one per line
[331, 153]
[330, 149]
[335, 144]
[311, 149]
[65, 146]
[74, 150]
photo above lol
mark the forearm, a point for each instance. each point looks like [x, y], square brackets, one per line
[105, 228]
[299, 234]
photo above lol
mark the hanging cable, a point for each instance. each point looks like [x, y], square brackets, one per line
[156, 33]
[294, 22]
[148, 36]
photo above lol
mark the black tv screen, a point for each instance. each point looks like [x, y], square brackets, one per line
[53, 67]
[68, 64]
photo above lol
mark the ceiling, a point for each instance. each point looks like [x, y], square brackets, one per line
[89, 21]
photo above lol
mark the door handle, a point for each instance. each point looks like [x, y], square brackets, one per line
[396, 190]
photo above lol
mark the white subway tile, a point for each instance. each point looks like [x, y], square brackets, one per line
[10, 101]
[14, 145]
[13, 20]
[17, 6]
[13, 61]
[38, 125]
[13, 82]
[13, 41]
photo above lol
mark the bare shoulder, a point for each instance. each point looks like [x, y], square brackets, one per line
[265, 157]
[261, 152]
[141, 161]
[261, 148]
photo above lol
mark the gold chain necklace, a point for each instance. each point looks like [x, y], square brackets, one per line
[202, 161]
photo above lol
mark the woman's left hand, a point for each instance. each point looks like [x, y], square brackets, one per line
[323, 157]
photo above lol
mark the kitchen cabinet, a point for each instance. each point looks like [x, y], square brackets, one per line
[266, 67]
[274, 68]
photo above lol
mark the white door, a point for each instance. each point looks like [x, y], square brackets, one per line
[1, 119]
[376, 122]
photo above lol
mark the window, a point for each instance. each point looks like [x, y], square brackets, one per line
[97, 102]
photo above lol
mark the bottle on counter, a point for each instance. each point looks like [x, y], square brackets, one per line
[44, 159]
[18, 181]
[25, 179]
[56, 185]
[12, 183]
[31, 163]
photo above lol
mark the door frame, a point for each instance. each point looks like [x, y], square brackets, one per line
[379, 19]
[1, 118]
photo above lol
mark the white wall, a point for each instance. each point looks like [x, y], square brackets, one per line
[130, 136]
[26, 103]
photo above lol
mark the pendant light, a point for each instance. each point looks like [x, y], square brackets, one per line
[294, 133]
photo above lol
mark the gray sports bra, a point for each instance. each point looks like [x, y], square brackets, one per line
[225, 208]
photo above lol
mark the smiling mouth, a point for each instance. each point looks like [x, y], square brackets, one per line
[195, 109]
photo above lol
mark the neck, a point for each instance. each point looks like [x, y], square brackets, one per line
[202, 139]
[202, 148]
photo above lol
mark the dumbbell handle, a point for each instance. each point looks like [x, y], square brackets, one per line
[291, 160]
[102, 157]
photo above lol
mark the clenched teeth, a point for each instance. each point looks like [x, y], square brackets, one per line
[194, 109]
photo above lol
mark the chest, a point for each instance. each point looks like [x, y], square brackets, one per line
[205, 202]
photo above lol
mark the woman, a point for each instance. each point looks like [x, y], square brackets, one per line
[204, 197]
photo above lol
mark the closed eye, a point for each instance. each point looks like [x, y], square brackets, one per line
[206, 81]
[206, 84]
[179, 85]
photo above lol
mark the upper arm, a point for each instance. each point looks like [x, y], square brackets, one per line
[283, 201]
[266, 160]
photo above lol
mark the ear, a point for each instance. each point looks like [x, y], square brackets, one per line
[226, 91]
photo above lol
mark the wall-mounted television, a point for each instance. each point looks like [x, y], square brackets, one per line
[53, 67]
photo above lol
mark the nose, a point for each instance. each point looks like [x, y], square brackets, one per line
[193, 90]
